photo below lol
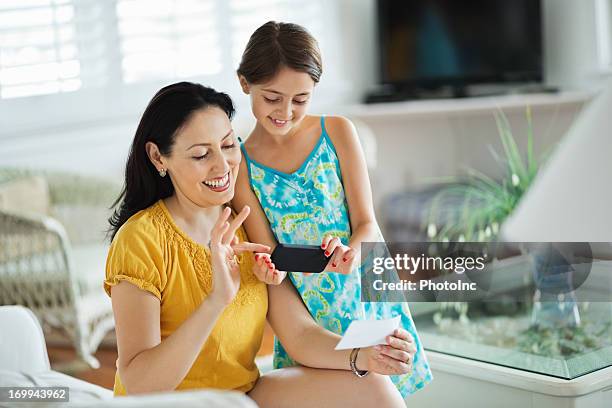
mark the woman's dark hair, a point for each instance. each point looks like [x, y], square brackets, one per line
[274, 45]
[168, 111]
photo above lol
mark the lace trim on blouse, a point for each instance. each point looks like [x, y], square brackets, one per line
[201, 257]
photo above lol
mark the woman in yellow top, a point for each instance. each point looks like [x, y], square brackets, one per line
[189, 298]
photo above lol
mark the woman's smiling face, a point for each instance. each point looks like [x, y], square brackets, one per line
[205, 157]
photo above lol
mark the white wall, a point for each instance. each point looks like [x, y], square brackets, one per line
[570, 44]
[420, 148]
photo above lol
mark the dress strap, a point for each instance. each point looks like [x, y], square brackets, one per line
[325, 136]
[248, 160]
[323, 125]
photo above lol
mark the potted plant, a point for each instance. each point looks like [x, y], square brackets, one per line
[485, 202]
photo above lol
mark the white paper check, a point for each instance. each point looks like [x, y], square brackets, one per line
[366, 333]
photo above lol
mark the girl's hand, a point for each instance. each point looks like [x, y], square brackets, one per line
[224, 247]
[393, 358]
[266, 272]
[342, 258]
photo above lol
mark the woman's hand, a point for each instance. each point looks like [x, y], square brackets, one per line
[224, 247]
[393, 358]
[265, 270]
[342, 258]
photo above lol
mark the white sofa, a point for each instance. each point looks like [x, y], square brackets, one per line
[24, 363]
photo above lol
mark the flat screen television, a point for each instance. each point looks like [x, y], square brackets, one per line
[426, 44]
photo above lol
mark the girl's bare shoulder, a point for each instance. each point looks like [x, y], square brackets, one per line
[310, 124]
[341, 131]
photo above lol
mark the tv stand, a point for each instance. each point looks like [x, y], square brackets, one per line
[471, 105]
[390, 94]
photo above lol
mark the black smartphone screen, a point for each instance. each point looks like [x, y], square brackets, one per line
[299, 258]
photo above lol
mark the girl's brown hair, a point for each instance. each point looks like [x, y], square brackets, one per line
[274, 45]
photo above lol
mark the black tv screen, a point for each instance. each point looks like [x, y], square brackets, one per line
[441, 42]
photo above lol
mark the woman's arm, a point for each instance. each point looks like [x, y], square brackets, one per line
[313, 346]
[357, 190]
[146, 363]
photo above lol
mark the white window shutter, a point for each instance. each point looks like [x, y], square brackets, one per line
[38, 51]
[104, 57]
[603, 24]
[168, 39]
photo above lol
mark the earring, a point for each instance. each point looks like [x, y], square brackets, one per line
[162, 173]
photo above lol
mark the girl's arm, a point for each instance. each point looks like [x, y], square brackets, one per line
[313, 346]
[357, 190]
[257, 227]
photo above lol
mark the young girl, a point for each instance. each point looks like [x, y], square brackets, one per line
[306, 180]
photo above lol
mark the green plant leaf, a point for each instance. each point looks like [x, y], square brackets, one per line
[515, 162]
[482, 200]
[531, 162]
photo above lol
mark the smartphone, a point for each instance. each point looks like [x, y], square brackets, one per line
[299, 258]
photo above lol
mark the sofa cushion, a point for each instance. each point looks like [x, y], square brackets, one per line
[26, 194]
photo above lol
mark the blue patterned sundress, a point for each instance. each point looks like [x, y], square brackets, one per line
[304, 206]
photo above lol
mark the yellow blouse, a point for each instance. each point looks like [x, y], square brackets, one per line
[151, 252]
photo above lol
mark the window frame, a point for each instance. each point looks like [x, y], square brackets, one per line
[603, 27]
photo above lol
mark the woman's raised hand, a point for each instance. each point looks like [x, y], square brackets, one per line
[393, 358]
[224, 246]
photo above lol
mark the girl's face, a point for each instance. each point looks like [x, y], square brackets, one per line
[204, 161]
[280, 104]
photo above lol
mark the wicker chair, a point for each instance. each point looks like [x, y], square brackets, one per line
[55, 267]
